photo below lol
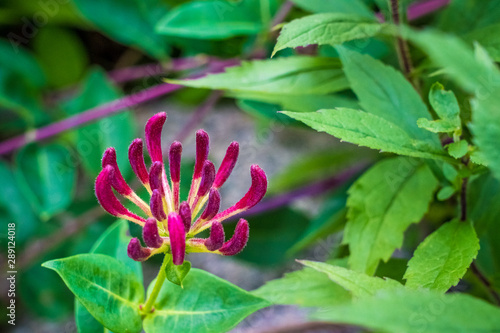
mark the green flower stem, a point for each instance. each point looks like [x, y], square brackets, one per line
[158, 284]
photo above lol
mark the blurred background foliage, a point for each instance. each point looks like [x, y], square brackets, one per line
[57, 59]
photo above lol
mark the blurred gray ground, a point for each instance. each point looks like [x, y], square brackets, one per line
[273, 149]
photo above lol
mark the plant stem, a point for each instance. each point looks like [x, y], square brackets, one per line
[475, 270]
[463, 200]
[158, 284]
[282, 13]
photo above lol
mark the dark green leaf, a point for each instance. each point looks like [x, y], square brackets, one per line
[489, 38]
[47, 176]
[337, 6]
[109, 290]
[288, 76]
[130, 22]
[326, 29]
[382, 203]
[205, 304]
[482, 205]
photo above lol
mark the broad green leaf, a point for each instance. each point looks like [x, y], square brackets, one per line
[458, 149]
[368, 130]
[16, 205]
[441, 260]
[359, 284]
[337, 6]
[215, 19]
[326, 29]
[297, 75]
[473, 15]
[115, 131]
[382, 203]
[207, 303]
[397, 311]
[489, 38]
[306, 287]
[109, 290]
[177, 273]
[113, 242]
[483, 197]
[437, 126]
[131, 22]
[384, 92]
[445, 104]
[47, 176]
[61, 54]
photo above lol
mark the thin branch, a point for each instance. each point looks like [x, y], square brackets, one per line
[475, 270]
[463, 200]
[282, 13]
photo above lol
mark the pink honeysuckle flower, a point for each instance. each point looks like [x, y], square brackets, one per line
[170, 226]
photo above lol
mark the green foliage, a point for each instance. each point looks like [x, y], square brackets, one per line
[109, 290]
[443, 257]
[458, 149]
[382, 203]
[290, 76]
[326, 29]
[397, 311]
[216, 19]
[337, 6]
[206, 303]
[177, 273]
[488, 38]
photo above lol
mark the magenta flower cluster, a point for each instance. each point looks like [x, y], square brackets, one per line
[171, 225]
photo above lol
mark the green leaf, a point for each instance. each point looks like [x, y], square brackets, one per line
[113, 242]
[16, 204]
[337, 6]
[473, 15]
[205, 304]
[61, 54]
[441, 260]
[307, 288]
[397, 311]
[287, 76]
[482, 203]
[368, 130]
[109, 290]
[489, 38]
[130, 22]
[445, 104]
[437, 126]
[326, 29]
[25, 66]
[215, 19]
[177, 273]
[115, 131]
[359, 284]
[382, 203]
[47, 176]
[458, 149]
[445, 193]
[384, 92]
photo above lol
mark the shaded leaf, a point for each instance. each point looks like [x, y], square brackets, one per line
[489, 38]
[445, 104]
[337, 6]
[177, 273]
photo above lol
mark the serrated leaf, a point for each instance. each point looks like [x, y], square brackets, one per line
[382, 203]
[132, 22]
[306, 287]
[205, 304]
[177, 273]
[215, 19]
[368, 130]
[384, 92]
[326, 29]
[359, 284]
[443, 257]
[397, 311]
[445, 104]
[109, 290]
[288, 76]
[458, 149]
[337, 6]
[437, 126]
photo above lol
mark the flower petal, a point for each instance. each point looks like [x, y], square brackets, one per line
[136, 158]
[227, 164]
[213, 205]
[116, 178]
[216, 239]
[175, 161]
[151, 235]
[136, 252]
[207, 179]
[177, 234]
[185, 214]
[238, 241]
[156, 204]
[153, 136]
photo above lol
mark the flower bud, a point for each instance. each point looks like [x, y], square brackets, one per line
[213, 205]
[108, 200]
[207, 179]
[155, 178]
[136, 158]
[216, 239]
[136, 252]
[185, 214]
[153, 136]
[151, 235]
[202, 148]
[175, 161]
[238, 241]
[116, 178]
[156, 205]
[227, 164]
[177, 234]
